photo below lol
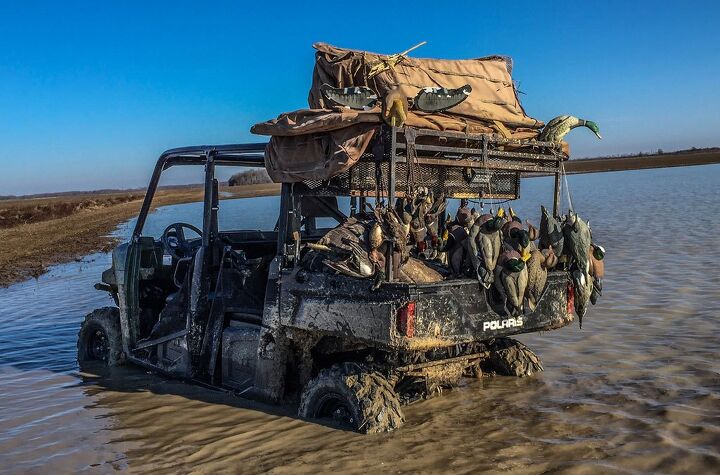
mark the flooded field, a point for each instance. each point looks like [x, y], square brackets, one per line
[637, 390]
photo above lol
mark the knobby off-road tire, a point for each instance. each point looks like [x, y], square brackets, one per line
[509, 357]
[353, 397]
[100, 338]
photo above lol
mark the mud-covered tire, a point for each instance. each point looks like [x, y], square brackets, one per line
[353, 397]
[509, 357]
[100, 338]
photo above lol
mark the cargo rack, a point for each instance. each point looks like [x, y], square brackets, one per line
[460, 165]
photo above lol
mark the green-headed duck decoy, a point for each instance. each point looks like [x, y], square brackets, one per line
[511, 278]
[558, 128]
[577, 246]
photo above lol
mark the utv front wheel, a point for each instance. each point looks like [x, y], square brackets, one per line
[100, 339]
[352, 397]
[509, 357]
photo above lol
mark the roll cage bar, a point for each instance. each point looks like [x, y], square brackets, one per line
[243, 155]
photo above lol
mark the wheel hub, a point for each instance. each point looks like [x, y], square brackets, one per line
[99, 347]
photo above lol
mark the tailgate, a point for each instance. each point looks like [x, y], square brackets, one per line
[459, 311]
[446, 313]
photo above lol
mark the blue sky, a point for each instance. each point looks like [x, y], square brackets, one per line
[92, 92]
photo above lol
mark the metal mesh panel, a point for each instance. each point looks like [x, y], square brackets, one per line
[455, 182]
[459, 165]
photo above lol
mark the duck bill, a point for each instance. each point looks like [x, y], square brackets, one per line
[525, 256]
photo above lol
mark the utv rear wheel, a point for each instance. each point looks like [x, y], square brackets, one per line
[352, 397]
[509, 357]
[100, 339]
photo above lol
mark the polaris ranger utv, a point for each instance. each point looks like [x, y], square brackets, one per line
[235, 310]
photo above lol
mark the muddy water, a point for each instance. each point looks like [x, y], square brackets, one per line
[637, 390]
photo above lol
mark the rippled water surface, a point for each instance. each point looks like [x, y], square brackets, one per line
[636, 390]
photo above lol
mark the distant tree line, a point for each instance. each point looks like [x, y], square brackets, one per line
[255, 176]
[660, 152]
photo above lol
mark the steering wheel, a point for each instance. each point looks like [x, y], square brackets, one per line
[176, 244]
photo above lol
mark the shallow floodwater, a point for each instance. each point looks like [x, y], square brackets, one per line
[636, 390]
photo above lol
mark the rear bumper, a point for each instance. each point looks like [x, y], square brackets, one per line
[446, 313]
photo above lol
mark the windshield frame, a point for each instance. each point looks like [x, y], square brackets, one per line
[240, 155]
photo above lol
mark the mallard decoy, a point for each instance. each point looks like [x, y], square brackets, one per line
[485, 243]
[518, 239]
[597, 271]
[558, 128]
[511, 278]
[577, 240]
[577, 246]
[551, 234]
[537, 266]
[583, 290]
[464, 214]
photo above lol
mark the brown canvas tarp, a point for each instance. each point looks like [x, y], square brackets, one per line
[316, 156]
[493, 94]
[320, 142]
[308, 121]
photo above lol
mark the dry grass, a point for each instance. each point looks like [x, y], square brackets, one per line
[29, 247]
[24, 211]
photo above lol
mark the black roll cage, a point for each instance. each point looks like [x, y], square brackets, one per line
[247, 155]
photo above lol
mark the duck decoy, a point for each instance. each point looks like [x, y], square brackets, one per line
[558, 128]
[551, 234]
[597, 271]
[511, 278]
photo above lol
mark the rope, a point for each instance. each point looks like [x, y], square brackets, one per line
[567, 187]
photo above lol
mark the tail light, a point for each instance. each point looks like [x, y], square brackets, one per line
[570, 298]
[406, 320]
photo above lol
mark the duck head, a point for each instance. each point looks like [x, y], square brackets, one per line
[598, 252]
[511, 261]
[514, 265]
[489, 223]
[520, 236]
[594, 127]
[532, 231]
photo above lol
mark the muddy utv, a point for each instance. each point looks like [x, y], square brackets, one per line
[235, 310]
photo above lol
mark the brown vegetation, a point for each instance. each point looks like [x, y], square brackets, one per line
[14, 212]
[29, 247]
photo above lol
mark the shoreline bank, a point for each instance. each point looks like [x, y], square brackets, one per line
[29, 249]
